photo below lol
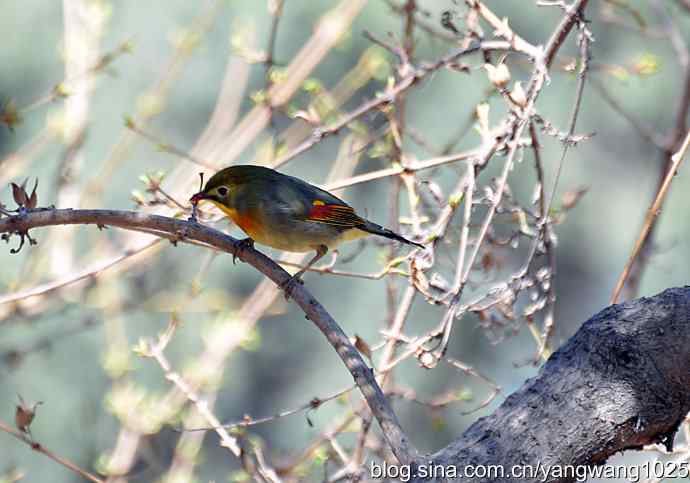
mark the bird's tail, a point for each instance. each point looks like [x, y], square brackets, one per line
[375, 229]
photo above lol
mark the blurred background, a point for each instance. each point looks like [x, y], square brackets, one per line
[106, 101]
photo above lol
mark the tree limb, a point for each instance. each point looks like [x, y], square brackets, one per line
[621, 382]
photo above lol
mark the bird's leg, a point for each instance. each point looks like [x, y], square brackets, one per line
[242, 245]
[321, 251]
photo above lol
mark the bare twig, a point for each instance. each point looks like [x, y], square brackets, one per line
[50, 454]
[584, 40]
[652, 213]
[249, 421]
[391, 94]
[674, 139]
[190, 231]
[155, 350]
[91, 272]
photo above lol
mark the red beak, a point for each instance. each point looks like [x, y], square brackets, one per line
[198, 197]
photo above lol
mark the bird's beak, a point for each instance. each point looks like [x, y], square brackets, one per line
[198, 197]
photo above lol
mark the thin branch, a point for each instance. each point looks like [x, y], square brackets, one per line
[652, 213]
[166, 146]
[158, 92]
[323, 39]
[69, 279]
[545, 233]
[248, 421]
[64, 88]
[633, 272]
[574, 15]
[43, 450]
[390, 95]
[426, 26]
[399, 169]
[503, 30]
[189, 231]
[156, 351]
[584, 41]
[276, 7]
[674, 138]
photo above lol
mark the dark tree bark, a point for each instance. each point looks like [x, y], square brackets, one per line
[621, 382]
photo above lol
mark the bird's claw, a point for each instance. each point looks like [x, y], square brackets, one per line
[241, 246]
[289, 285]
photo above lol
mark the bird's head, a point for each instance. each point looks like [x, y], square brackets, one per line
[221, 184]
[217, 190]
[220, 187]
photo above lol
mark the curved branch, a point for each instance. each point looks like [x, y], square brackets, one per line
[193, 232]
[621, 382]
[50, 454]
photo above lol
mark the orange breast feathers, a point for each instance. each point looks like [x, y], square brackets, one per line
[248, 224]
[340, 215]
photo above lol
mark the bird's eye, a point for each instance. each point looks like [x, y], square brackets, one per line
[223, 191]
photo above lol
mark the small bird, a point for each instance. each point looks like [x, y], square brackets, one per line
[286, 213]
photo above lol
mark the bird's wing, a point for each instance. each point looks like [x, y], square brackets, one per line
[323, 207]
[334, 214]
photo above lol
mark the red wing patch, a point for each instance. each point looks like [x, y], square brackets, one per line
[339, 215]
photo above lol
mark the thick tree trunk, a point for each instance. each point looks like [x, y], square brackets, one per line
[621, 382]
